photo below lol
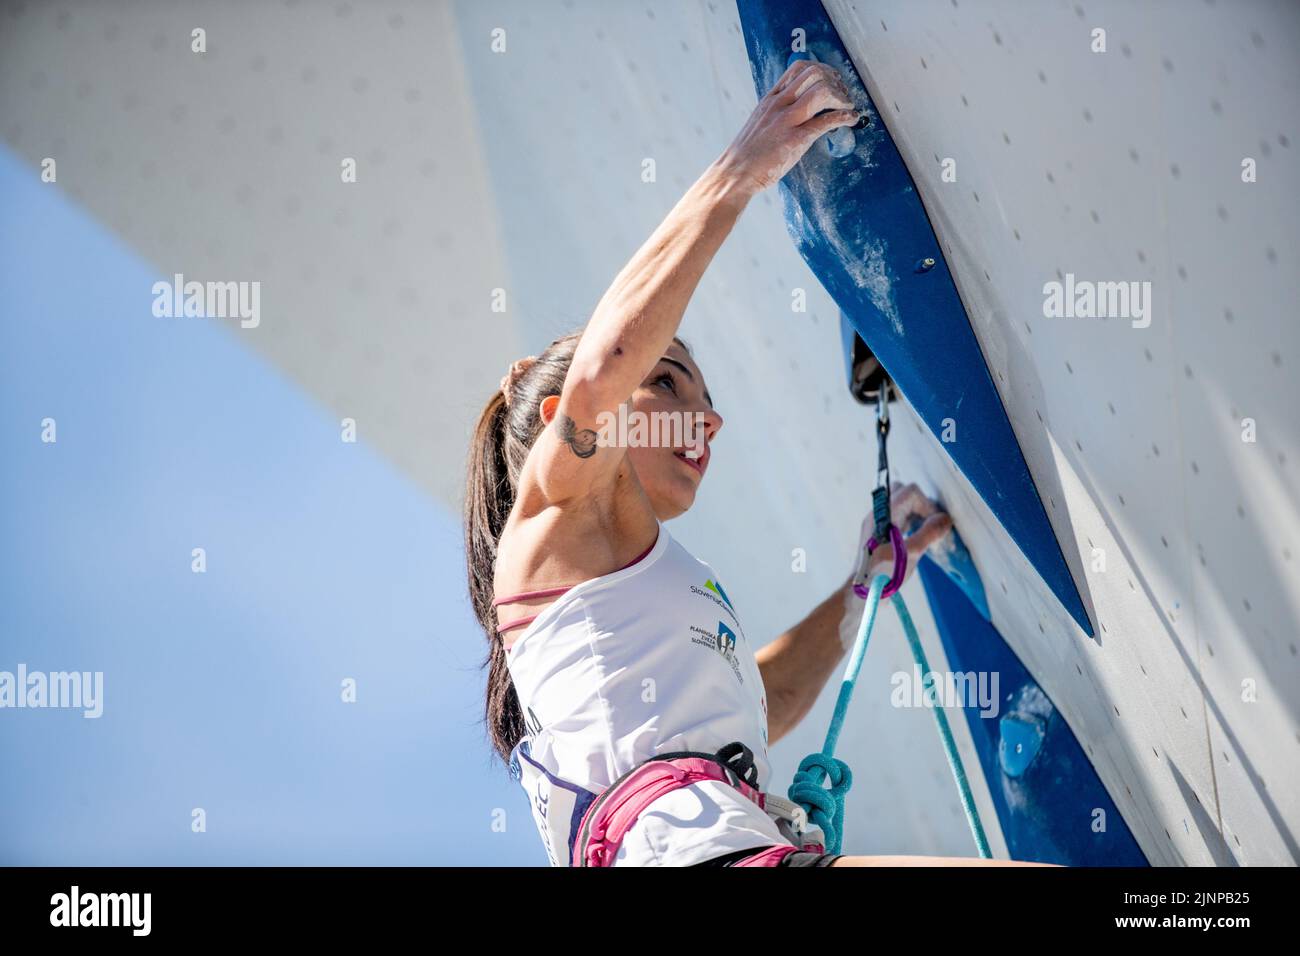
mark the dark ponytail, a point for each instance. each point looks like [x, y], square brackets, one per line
[502, 438]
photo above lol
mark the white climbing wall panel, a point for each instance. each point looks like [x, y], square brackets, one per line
[228, 164]
[1115, 166]
[523, 170]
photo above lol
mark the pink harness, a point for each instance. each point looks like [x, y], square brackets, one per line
[611, 815]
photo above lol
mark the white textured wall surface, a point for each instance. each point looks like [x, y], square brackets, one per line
[1119, 166]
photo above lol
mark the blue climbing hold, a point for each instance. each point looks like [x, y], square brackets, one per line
[1021, 738]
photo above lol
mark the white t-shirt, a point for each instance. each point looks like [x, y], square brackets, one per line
[647, 660]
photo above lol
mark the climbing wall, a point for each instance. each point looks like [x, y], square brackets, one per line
[1166, 453]
[521, 166]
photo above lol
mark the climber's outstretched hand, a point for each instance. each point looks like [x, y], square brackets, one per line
[808, 101]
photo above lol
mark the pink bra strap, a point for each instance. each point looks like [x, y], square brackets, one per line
[526, 595]
[522, 622]
[549, 592]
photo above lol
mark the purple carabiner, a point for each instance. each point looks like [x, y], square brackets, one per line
[900, 564]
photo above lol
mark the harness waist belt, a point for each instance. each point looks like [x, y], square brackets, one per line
[612, 814]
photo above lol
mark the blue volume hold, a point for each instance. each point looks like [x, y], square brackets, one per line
[860, 224]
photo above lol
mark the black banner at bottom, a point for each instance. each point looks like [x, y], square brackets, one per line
[367, 904]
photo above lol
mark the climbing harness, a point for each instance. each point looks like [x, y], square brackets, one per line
[612, 814]
[825, 806]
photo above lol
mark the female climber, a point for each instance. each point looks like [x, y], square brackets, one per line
[623, 691]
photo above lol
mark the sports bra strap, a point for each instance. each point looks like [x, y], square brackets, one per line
[551, 592]
[526, 595]
[522, 622]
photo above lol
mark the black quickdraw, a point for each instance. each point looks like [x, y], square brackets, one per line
[881, 509]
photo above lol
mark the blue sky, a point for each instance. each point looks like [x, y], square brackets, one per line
[221, 690]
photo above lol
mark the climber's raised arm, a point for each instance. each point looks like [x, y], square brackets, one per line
[639, 314]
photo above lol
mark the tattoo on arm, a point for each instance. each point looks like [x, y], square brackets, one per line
[581, 440]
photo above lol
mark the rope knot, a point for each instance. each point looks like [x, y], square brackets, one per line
[825, 806]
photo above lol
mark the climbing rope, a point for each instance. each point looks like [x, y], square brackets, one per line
[825, 805]
[945, 734]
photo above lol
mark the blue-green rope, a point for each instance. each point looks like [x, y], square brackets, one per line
[945, 734]
[825, 806]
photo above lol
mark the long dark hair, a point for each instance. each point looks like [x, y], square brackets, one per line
[502, 438]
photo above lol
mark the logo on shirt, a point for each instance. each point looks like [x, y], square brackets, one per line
[723, 642]
[716, 588]
[714, 592]
[726, 641]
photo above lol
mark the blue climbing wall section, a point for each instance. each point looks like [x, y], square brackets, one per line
[854, 213]
[1049, 800]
